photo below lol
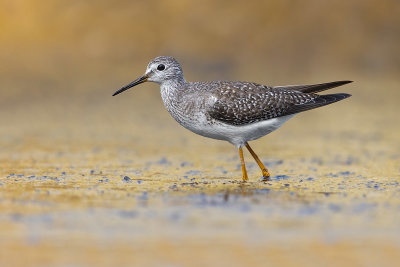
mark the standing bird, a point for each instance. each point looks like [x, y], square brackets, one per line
[236, 112]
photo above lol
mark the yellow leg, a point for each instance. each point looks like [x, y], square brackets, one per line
[264, 170]
[245, 178]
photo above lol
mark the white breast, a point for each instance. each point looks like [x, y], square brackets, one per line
[236, 135]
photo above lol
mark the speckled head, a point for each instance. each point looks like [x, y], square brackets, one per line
[163, 68]
[159, 70]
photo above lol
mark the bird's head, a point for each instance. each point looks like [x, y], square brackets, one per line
[159, 70]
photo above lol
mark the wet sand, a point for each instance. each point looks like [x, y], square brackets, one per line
[101, 180]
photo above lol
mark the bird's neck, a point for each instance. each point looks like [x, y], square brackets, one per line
[173, 85]
[171, 93]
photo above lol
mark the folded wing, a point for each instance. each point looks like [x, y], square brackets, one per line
[252, 103]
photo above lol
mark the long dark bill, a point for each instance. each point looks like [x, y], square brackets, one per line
[132, 84]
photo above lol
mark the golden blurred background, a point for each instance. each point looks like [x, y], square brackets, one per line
[51, 46]
[66, 143]
[60, 57]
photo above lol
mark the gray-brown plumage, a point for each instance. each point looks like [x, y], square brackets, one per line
[241, 103]
[237, 112]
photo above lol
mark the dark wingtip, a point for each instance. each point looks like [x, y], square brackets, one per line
[342, 96]
[344, 82]
[346, 95]
[334, 97]
[314, 88]
[337, 83]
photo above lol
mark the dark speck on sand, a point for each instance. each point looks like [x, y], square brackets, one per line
[127, 179]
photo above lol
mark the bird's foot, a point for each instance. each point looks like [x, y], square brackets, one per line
[265, 179]
[266, 176]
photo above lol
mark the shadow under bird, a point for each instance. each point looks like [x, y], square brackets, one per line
[233, 111]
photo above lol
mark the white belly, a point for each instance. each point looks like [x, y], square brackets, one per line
[236, 135]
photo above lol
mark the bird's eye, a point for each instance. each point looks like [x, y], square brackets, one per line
[161, 67]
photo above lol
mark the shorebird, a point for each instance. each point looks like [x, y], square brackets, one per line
[233, 111]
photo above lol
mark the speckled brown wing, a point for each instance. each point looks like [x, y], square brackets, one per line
[244, 103]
